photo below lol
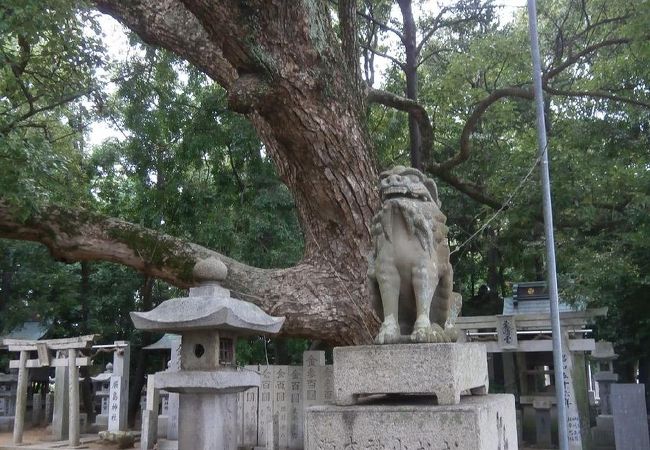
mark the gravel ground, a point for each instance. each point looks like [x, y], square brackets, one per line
[41, 436]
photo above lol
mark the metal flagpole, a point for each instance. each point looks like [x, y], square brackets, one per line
[548, 229]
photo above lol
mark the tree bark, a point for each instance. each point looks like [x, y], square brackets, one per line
[284, 68]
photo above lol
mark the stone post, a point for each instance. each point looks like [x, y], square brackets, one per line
[21, 398]
[172, 397]
[49, 408]
[121, 362]
[149, 433]
[37, 408]
[73, 397]
[60, 414]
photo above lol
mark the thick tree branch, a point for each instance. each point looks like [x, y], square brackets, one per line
[166, 23]
[412, 107]
[316, 300]
[472, 122]
[469, 189]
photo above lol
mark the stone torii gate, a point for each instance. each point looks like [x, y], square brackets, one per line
[44, 348]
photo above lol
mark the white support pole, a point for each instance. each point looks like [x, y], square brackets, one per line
[73, 422]
[548, 228]
[21, 398]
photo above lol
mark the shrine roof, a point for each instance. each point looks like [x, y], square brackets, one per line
[167, 342]
[30, 330]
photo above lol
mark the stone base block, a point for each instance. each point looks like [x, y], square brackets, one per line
[602, 435]
[207, 422]
[101, 420]
[441, 369]
[162, 426]
[476, 423]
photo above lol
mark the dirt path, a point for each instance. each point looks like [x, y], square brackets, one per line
[41, 436]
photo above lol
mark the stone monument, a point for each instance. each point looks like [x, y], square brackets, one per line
[209, 322]
[384, 393]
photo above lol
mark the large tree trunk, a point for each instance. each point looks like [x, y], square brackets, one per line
[284, 68]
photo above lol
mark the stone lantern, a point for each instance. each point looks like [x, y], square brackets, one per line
[604, 357]
[101, 387]
[209, 322]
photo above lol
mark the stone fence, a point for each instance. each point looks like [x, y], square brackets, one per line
[273, 415]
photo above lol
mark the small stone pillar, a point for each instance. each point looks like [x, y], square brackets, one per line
[49, 408]
[209, 322]
[149, 434]
[37, 408]
[172, 397]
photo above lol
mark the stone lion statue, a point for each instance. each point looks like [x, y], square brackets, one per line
[409, 268]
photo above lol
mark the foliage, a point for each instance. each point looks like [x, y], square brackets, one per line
[48, 59]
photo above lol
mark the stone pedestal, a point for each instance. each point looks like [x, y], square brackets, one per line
[543, 422]
[476, 423]
[445, 370]
[405, 418]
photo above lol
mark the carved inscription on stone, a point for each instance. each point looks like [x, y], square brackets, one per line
[295, 407]
[412, 443]
[265, 429]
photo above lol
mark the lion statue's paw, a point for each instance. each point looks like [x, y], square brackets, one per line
[421, 329]
[435, 335]
[389, 333]
[452, 334]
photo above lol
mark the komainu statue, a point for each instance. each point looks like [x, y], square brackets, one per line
[409, 269]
